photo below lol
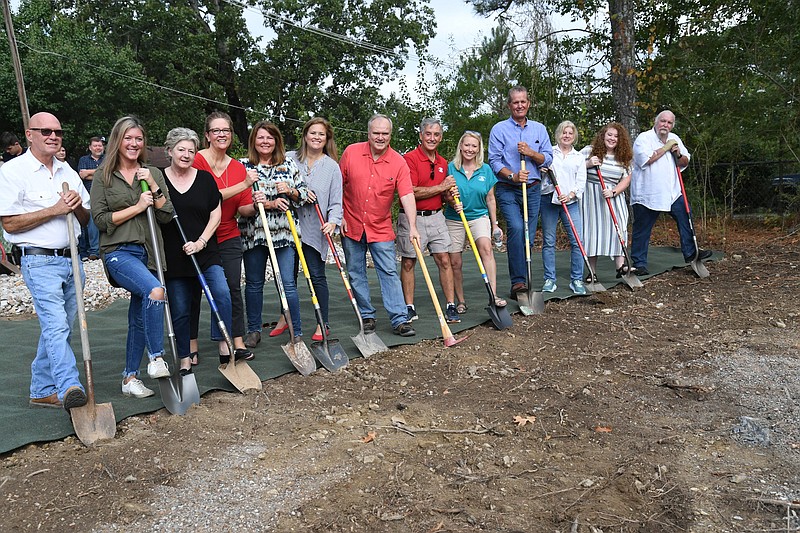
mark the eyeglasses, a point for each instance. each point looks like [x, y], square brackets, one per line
[47, 132]
[220, 131]
[476, 133]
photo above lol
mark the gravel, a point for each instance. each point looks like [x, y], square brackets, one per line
[15, 298]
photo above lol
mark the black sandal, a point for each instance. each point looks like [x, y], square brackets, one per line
[195, 357]
[625, 269]
[591, 279]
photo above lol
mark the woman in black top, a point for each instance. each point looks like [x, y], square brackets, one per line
[197, 202]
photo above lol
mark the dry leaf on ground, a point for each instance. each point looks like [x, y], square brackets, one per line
[522, 420]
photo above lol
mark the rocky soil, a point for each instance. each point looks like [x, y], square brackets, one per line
[672, 408]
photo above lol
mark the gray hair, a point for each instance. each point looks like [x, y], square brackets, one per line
[177, 135]
[427, 122]
[378, 116]
[517, 89]
[658, 117]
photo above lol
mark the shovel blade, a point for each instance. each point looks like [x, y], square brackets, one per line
[632, 280]
[369, 344]
[524, 304]
[94, 422]
[241, 375]
[595, 287]
[500, 316]
[300, 356]
[331, 354]
[699, 268]
[179, 393]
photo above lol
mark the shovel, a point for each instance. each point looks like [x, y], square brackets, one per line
[594, 286]
[697, 265]
[296, 350]
[238, 373]
[531, 302]
[629, 278]
[329, 352]
[367, 343]
[93, 421]
[177, 392]
[499, 315]
[447, 335]
[7, 265]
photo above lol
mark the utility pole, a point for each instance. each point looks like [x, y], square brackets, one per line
[12, 44]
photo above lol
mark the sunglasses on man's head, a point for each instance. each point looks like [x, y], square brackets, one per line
[47, 132]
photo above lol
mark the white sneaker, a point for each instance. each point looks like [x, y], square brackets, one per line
[157, 368]
[135, 388]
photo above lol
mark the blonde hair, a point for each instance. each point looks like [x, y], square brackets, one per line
[457, 161]
[111, 162]
[560, 130]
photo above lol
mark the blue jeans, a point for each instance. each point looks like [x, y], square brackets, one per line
[128, 266]
[89, 241]
[509, 200]
[180, 292]
[316, 269]
[551, 213]
[384, 258]
[52, 288]
[230, 254]
[643, 221]
[255, 266]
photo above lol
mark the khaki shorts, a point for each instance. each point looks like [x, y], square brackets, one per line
[480, 227]
[433, 235]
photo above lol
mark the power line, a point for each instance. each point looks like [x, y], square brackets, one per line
[169, 89]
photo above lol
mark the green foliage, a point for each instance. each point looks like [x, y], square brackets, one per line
[203, 48]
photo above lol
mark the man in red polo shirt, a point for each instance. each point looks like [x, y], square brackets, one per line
[429, 179]
[371, 173]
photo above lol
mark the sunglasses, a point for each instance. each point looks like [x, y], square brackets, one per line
[476, 133]
[47, 132]
[433, 170]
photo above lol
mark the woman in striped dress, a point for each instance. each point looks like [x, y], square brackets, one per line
[612, 152]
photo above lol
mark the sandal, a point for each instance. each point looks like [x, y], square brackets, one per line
[461, 308]
[625, 269]
[591, 279]
[499, 302]
[195, 357]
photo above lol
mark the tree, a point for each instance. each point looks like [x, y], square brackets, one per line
[59, 79]
[611, 43]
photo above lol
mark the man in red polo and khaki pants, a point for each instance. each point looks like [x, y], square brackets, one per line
[430, 180]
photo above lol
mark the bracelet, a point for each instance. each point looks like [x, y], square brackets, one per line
[205, 242]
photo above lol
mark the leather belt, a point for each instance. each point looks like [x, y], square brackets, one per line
[517, 185]
[34, 250]
[424, 213]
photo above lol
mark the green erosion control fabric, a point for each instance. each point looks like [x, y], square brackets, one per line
[108, 329]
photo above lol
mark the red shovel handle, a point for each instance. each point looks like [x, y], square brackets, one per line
[608, 200]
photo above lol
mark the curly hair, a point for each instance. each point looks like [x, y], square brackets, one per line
[623, 153]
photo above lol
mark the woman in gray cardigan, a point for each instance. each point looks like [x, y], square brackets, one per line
[317, 160]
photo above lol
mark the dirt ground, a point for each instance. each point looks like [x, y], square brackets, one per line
[672, 408]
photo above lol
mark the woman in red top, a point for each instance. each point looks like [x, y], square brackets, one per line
[234, 185]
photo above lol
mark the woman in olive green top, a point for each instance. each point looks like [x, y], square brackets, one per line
[119, 208]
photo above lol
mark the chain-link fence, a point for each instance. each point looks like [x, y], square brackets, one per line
[747, 189]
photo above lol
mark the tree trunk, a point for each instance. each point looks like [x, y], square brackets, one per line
[623, 56]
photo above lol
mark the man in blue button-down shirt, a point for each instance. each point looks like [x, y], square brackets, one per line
[510, 142]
